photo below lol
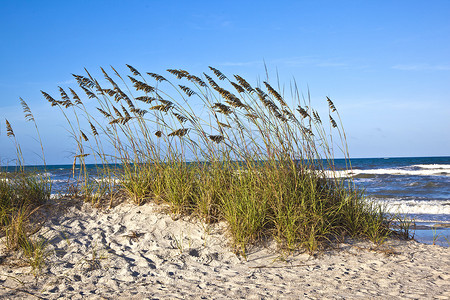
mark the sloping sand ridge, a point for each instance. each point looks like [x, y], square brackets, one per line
[137, 252]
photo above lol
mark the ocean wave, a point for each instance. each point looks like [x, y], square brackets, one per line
[402, 172]
[433, 207]
[63, 180]
[430, 223]
[107, 180]
[433, 166]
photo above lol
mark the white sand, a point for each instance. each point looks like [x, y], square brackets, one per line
[135, 252]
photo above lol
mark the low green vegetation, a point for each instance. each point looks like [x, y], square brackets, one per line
[21, 195]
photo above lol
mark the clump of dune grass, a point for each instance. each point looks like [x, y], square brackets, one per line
[220, 148]
[22, 193]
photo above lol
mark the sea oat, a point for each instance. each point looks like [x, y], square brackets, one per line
[223, 125]
[244, 83]
[179, 132]
[216, 138]
[9, 130]
[66, 100]
[302, 112]
[331, 105]
[117, 112]
[127, 115]
[211, 81]
[94, 130]
[109, 92]
[219, 74]
[146, 99]
[238, 88]
[26, 110]
[134, 71]
[162, 107]
[84, 136]
[222, 108]
[113, 83]
[138, 111]
[274, 93]
[180, 118]
[178, 73]
[251, 116]
[157, 77]
[104, 113]
[196, 79]
[186, 90]
[333, 122]
[75, 96]
[141, 86]
[317, 117]
[266, 101]
[50, 99]
[84, 82]
[88, 92]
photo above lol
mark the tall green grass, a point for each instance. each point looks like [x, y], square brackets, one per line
[219, 148]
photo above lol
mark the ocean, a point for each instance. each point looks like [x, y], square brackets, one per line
[417, 188]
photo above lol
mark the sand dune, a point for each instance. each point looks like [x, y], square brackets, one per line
[132, 252]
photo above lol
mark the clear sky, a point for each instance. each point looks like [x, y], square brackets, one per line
[385, 64]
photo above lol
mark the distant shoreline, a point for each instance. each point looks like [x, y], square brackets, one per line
[336, 159]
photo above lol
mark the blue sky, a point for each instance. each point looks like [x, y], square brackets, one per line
[385, 64]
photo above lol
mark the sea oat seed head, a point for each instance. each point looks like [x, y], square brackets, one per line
[196, 79]
[244, 83]
[133, 70]
[186, 90]
[219, 74]
[9, 131]
[179, 132]
[274, 93]
[104, 113]
[75, 97]
[331, 105]
[84, 136]
[94, 130]
[238, 88]
[302, 112]
[216, 138]
[26, 110]
[157, 77]
[333, 122]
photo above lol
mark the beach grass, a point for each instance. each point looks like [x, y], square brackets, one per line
[21, 195]
[219, 149]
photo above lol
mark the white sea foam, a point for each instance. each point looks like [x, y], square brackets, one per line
[405, 172]
[55, 196]
[433, 207]
[433, 166]
[338, 174]
[107, 180]
[62, 180]
[427, 172]
[429, 222]
[46, 174]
